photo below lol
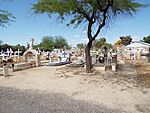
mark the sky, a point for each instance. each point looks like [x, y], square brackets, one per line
[29, 25]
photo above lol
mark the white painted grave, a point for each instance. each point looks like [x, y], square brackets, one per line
[4, 71]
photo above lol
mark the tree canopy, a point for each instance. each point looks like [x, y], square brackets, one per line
[94, 13]
[60, 42]
[80, 46]
[5, 17]
[98, 43]
[118, 43]
[86, 10]
[146, 39]
[48, 43]
[126, 40]
[4, 47]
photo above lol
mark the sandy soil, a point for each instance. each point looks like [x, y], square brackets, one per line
[71, 90]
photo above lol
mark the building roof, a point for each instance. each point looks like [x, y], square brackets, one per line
[138, 44]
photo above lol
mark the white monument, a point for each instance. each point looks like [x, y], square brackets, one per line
[31, 43]
[32, 52]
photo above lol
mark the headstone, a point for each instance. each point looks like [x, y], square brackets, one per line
[18, 53]
[94, 59]
[3, 56]
[32, 55]
[79, 61]
[114, 67]
[37, 60]
[50, 59]
[109, 55]
[8, 52]
[11, 51]
[5, 71]
[63, 59]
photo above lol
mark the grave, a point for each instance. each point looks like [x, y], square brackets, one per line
[63, 58]
[78, 63]
[4, 71]
[31, 55]
[17, 53]
[104, 60]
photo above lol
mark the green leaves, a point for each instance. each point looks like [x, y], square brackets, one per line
[80, 46]
[80, 11]
[100, 42]
[49, 43]
[5, 18]
[126, 40]
[146, 39]
[95, 13]
[125, 7]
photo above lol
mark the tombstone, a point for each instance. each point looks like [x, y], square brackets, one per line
[31, 53]
[37, 59]
[114, 58]
[50, 59]
[79, 62]
[39, 51]
[3, 56]
[8, 52]
[114, 67]
[11, 51]
[64, 56]
[18, 52]
[109, 55]
[5, 71]
[94, 58]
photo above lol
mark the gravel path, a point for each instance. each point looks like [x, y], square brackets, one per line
[16, 101]
[58, 90]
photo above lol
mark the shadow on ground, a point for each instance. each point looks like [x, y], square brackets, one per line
[136, 75]
[30, 101]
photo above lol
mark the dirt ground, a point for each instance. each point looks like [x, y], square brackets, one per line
[70, 90]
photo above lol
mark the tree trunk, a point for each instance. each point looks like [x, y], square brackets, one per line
[88, 58]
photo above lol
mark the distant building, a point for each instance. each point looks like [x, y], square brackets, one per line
[136, 51]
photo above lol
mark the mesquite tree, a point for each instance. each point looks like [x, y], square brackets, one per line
[5, 17]
[94, 13]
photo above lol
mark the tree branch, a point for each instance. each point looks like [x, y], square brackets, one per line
[99, 6]
[90, 30]
[91, 22]
[110, 3]
[84, 14]
[93, 17]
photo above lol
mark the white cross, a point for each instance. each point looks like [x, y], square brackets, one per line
[18, 53]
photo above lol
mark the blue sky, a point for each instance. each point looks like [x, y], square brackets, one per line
[28, 25]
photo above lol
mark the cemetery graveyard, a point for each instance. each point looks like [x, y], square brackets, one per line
[14, 61]
[63, 71]
[83, 56]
